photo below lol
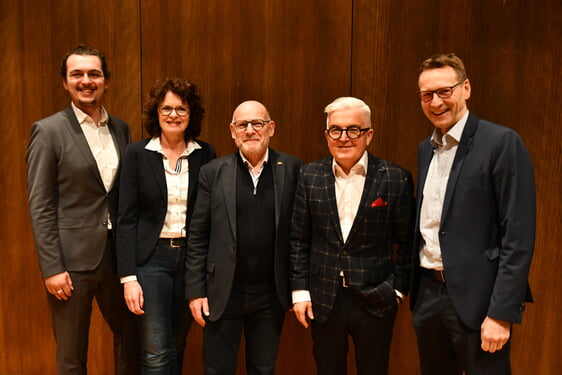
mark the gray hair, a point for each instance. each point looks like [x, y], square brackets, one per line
[349, 102]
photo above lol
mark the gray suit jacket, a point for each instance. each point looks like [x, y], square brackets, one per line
[383, 222]
[211, 255]
[68, 203]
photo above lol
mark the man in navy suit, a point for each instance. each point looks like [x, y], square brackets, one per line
[475, 229]
[237, 259]
[350, 247]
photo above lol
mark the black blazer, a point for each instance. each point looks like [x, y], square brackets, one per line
[144, 201]
[487, 225]
[383, 221]
[211, 255]
[68, 203]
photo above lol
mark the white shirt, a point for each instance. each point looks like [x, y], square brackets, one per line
[349, 189]
[101, 145]
[177, 182]
[434, 192]
[255, 176]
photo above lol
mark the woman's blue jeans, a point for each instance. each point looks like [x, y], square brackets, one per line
[166, 319]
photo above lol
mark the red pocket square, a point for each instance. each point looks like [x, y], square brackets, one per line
[379, 203]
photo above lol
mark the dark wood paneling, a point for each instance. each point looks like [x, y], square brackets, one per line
[35, 35]
[295, 57]
[512, 53]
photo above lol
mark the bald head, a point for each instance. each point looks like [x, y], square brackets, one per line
[251, 108]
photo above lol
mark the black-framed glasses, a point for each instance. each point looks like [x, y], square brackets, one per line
[443, 93]
[167, 111]
[353, 132]
[257, 124]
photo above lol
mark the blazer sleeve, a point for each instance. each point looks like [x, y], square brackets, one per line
[299, 238]
[402, 232]
[129, 212]
[198, 238]
[41, 159]
[515, 190]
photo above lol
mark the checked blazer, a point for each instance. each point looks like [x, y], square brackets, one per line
[367, 258]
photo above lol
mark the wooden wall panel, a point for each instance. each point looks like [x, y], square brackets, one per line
[295, 57]
[35, 35]
[512, 54]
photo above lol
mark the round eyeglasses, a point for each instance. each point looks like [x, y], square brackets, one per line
[167, 111]
[353, 132]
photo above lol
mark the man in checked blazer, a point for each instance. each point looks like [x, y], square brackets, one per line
[72, 169]
[350, 245]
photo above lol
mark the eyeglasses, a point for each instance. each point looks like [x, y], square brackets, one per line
[257, 124]
[443, 93]
[353, 132]
[180, 111]
[92, 75]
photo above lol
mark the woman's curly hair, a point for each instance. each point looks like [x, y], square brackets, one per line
[189, 94]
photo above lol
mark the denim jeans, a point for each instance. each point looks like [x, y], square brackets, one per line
[260, 316]
[166, 320]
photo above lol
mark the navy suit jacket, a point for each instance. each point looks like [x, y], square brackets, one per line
[144, 201]
[211, 255]
[68, 203]
[487, 225]
[372, 267]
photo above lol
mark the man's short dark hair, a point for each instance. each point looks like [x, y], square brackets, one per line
[85, 50]
[448, 59]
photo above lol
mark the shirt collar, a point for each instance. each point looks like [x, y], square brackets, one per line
[249, 165]
[454, 133]
[82, 116]
[359, 168]
[155, 145]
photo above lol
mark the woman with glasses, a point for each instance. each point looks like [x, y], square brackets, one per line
[157, 196]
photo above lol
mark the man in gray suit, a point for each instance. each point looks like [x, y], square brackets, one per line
[237, 257]
[72, 169]
[350, 244]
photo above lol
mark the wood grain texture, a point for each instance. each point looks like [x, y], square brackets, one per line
[295, 57]
[511, 50]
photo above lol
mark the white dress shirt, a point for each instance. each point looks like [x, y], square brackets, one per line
[434, 192]
[349, 189]
[101, 145]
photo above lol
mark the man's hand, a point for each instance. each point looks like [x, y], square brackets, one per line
[60, 285]
[199, 307]
[494, 334]
[134, 297]
[303, 312]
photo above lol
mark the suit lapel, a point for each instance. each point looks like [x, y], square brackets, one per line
[82, 144]
[278, 169]
[195, 159]
[328, 181]
[425, 156]
[156, 165]
[228, 180]
[463, 149]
